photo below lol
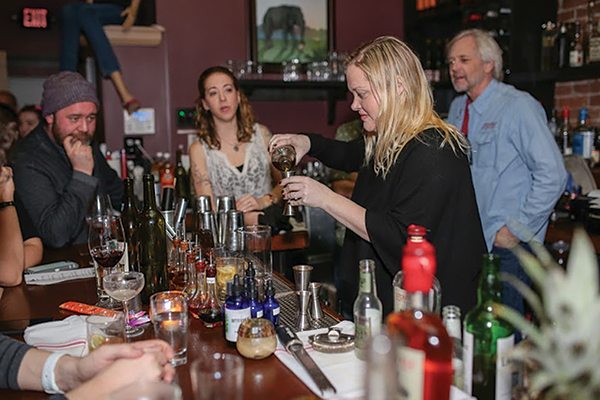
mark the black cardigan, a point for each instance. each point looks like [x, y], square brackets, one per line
[428, 186]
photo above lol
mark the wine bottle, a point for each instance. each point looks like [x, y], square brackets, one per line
[425, 357]
[152, 244]
[130, 220]
[368, 311]
[565, 136]
[182, 182]
[487, 339]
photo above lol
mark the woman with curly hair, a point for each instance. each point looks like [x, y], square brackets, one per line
[231, 157]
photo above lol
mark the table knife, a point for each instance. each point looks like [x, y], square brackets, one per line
[294, 346]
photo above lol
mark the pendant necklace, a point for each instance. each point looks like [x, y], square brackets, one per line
[235, 146]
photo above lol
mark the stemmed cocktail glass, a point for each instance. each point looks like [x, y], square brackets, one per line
[124, 286]
[106, 242]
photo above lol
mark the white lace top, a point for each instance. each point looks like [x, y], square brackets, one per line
[227, 180]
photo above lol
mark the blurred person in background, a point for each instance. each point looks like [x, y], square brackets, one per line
[9, 99]
[518, 172]
[231, 157]
[20, 246]
[412, 169]
[30, 116]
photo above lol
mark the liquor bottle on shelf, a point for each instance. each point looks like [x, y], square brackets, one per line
[576, 50]
[368, 311]
[565, 135]
[451, 320]
[487, 339]
[271, 305]
[152, 244]
[182, 182]
[237, 310]
[211, 312]
[583, 137]
[562, 46]
[156, 166]
[167, 174]
[129, 218]
[549, 35]
[593, 36]
[416, 245]
[425, 355]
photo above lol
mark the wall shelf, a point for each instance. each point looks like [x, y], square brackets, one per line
[302, 90]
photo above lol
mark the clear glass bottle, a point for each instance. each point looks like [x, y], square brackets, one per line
[425, 358]
[583, 137]
[211, 312]
[451, 320]
[576, 50]
[415, 244]
[368, 310]
[487, 339]
[195, 303]
[271, 305]
[237, 310]
[565, 135]
[152, 244]
[593, 42]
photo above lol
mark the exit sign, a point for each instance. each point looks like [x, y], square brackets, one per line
[36, 18]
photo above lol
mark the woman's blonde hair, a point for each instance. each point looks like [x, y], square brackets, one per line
[405, 100]
[204, 120]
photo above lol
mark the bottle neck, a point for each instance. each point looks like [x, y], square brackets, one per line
[367, 282]
[149, 196]
[490, 285]
[418, 301]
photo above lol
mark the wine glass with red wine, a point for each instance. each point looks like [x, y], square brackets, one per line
[106, 242]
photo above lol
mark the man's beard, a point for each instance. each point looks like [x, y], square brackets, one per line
[59, 137]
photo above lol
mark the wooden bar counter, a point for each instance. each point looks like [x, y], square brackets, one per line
[263, 379]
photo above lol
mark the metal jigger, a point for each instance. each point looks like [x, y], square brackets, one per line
[288, 209]
[303, 321]
[284, 159]
[315, 306]
[302, 276]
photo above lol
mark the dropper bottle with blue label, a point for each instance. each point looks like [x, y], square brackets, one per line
[237, 310]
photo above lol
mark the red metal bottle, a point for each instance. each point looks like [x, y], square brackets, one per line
[425, 359]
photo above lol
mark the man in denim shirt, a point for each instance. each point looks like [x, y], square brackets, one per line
[517, 170]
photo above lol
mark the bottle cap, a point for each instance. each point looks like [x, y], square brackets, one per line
[250, 271]
[270, 289]
[237, 286]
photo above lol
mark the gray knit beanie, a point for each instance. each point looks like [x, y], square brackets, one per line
[64, 89]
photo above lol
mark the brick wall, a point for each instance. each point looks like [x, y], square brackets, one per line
[578, 94]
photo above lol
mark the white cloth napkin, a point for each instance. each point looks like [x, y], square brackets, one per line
[344, 370]
[65, 336]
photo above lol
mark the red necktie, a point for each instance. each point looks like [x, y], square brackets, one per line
[465, 124]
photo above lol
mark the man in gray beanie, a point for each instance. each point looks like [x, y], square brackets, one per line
[58, 169]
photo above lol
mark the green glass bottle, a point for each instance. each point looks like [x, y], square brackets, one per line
[130, 219]
[152, 244]
[487, 339]
[182, 182]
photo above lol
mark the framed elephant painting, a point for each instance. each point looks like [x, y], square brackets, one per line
[283, 30]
